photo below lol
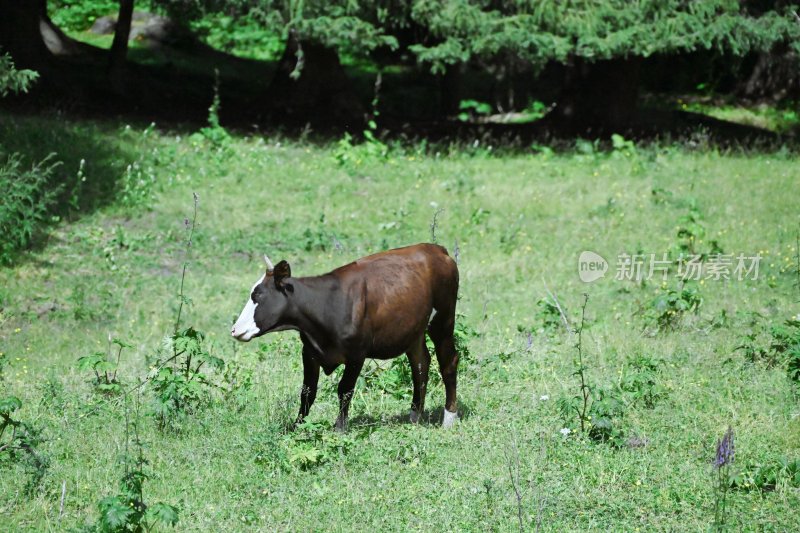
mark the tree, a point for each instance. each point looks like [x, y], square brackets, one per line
[119, 46]
[11, 79]
[600, 42]
[20, 33]
[310, 81]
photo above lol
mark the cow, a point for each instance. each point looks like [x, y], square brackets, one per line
[379, 306]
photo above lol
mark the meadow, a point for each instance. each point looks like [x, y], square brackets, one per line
[668, 367]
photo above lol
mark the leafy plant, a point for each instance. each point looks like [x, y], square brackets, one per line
[313, 444]
[768, 476]
[786, 346]
[180, 386]
[17, 436]
[548, 314]
[639, 382]
[137, 186]
[463, 333]
[622, 145]
[605, 412]
[214, 132]
[470, 110]
[670, 305]
[104, 369]
[27, 196]
[178, 382]
[393, 379]
[13, 80]
[127, 510]
[752, 349]
[595, 410]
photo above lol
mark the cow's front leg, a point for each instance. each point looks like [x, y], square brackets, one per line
[310, 381]
[346, 387]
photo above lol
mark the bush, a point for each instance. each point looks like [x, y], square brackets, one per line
[27, 195]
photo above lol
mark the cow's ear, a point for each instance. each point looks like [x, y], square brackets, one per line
[281, 271]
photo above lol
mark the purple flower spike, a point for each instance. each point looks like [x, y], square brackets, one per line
[725, 450]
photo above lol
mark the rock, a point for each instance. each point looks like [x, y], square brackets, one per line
[104, 25]
[153, 30]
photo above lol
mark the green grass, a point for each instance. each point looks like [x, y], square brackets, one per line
[116, 270]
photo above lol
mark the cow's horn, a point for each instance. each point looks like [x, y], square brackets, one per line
[268, 262]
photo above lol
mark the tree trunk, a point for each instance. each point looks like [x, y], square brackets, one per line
[118, 54]
[20, 33]
[599, 98]
[310, 86]
[119, 47]
[450, 90]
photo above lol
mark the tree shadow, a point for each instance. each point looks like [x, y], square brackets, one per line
[92, 161]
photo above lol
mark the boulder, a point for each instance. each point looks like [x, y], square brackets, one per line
[104, 25]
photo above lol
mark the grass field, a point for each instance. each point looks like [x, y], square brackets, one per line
[520, 220]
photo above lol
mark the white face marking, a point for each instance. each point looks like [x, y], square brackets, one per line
[245, 327]
[449, 418]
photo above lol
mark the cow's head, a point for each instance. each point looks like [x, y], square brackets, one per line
[264, 310]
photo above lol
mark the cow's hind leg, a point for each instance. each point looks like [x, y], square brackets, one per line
[441, 332]
[420, 359]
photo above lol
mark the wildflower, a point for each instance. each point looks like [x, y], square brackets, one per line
[725, 450]
[565, 431]
[544, 397]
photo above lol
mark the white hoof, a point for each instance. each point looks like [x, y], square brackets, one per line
[449, 418]
[414, 416]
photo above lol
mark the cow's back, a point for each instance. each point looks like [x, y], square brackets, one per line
[394, 294]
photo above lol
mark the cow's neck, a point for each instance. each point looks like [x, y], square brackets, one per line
[309, 304]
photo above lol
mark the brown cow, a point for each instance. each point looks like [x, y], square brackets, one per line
[379, 306]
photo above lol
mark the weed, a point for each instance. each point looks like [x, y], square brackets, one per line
[768, 476]
[597, 410]
[104, 368]
[548, 315]
[470, 110]
[179, 385]
[137, 186]
[353, 156]
[17, 436]
[393, 378]
[639, 382]
[313, 444]
[786, 346]
[127, 510]
[580, 402]
[214, 132]
[670, 305]
[621, 145]
[27, 196]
